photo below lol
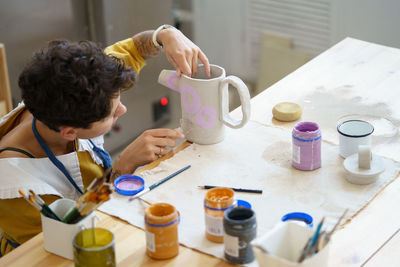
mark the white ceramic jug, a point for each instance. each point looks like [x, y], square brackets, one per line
[205, 103]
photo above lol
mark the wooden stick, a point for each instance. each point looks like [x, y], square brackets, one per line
[5, 91]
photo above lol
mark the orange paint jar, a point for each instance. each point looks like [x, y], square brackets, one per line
[216, 202]
[161, 224]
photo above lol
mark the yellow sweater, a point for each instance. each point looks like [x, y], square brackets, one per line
[19, 221]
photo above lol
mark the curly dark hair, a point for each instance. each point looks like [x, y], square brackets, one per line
[72, 83]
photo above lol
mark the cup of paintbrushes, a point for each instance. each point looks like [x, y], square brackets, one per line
[284, 244]
[58, 235]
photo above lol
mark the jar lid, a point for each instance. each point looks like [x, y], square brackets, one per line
[243, 203]
[129, 184]
[286, 111]
[298, 216]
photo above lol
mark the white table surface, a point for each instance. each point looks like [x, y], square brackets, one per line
[352, 77]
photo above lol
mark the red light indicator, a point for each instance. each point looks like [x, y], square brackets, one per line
[164, 101]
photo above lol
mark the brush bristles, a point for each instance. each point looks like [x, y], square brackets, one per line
[22, 193]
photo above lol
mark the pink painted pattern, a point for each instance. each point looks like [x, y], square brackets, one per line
[171, 80]
[205, 116]
[206, 112]
[195, 104]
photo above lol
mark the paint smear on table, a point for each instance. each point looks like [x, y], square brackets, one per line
[338, 104]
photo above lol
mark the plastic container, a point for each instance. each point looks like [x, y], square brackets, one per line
[161, 225]
[240, 229]
[282, 246]
[306, 140]
[128, 184]
[57, 236]
[216, 202]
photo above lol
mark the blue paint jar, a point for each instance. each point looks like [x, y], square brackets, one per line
[300, 217]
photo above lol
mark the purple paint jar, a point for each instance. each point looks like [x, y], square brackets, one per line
[129, 184]
[306, 140]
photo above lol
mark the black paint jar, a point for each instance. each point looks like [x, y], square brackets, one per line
[240, 229]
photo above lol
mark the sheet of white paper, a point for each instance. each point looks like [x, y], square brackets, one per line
[256, 156]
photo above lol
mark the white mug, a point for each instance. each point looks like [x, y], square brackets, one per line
[353, 133]
[205, 103]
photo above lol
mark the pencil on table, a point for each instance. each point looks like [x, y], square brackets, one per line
[244, 190]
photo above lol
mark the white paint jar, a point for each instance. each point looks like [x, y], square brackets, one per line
[353, 133]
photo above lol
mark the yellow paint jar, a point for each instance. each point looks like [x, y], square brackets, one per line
[94, 247]
[216, 202]
[161, 225]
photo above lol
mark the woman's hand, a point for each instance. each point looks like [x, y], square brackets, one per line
[149, 146]
[182, 53]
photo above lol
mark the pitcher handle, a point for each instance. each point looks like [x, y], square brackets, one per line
[244, 96]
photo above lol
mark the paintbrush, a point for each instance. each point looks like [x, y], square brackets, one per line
[328, 235]
[96, 194]
[97, 182]
[151, 187]
[320, 242]
[304, 250]
[309, 248]
[39, 204]
[87, 203]
[34, 204]
[44, 206]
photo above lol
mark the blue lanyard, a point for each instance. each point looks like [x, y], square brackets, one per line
[104, 156]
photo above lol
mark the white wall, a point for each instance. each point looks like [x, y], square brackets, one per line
[229, 31]
[375, 21]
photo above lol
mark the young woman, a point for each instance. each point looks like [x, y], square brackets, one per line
[52, 143]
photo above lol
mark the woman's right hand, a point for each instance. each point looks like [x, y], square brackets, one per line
[149, 146]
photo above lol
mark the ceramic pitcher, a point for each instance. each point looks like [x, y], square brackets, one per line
[205, 103]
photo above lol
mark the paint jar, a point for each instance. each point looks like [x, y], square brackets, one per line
[94, 247]
[161, 225]
[240, 229]
[306, 140]
[298, 217]
[216, 202]
[129, 184]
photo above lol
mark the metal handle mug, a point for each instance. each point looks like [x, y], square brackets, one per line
[205, 103]
[353, 133]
